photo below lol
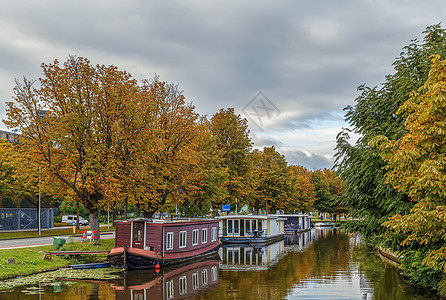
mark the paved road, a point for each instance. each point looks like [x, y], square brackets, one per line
[42, 241]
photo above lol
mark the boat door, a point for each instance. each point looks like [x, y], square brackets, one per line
[138, 235]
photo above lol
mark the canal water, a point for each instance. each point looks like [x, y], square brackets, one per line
[320, 264]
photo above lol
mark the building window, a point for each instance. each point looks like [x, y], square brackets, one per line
[169, 241]
[182, 285]
[195, 237]
[169, 289]
[214, 234]
[204, 235]
[183, 236]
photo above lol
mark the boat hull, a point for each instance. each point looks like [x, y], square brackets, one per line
[251, 240]
[134, 258]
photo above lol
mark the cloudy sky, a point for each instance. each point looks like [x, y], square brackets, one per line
[289, 67]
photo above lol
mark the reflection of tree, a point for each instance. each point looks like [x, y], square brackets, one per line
[386, 278]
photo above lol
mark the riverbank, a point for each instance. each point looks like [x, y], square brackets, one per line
[19, 262]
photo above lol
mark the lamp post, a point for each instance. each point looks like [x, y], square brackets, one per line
[38, 208]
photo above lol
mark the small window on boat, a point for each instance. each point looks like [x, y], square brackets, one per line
[214, 234]
[214, 273]
[169, 241]
[195, 281]
[248, 226]
[182, 285]
[195, 237]
[183, 236]
[204, 277]
[229, 226]
[204, 235]
[235, 226]
[260, 225]
[169, 289]
[254, 226]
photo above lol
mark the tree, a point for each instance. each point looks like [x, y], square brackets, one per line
[367, 195]
[165, 169]
[328, 188]
[305, 195]
[232, 139]
[416, 165]
[273, 187]
[67, 127]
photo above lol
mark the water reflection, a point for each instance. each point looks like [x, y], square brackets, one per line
[183, 282]
[320, 264]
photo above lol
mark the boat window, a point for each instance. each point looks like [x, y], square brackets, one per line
[224, 227]
[229, 226]
[248, 226]
[183, 236]
[260, 225]
[182, 285]
[195, 237]
[254, 226]
[169, 241]
[204, 277]
[214, 234]
[204, 235]
[169, 289]
[214, 273]
[195, 281]
[236, 226]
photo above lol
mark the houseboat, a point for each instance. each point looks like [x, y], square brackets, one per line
[296, 223]
[148, 243]
[246, 229]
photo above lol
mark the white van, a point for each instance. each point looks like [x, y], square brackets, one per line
[73, 218]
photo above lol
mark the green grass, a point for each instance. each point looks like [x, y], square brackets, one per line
[46, 232]
[30, 260]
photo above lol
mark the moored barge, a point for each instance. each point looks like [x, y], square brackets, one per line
[146, 243]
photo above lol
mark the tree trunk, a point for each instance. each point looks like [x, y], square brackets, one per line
[94, 222]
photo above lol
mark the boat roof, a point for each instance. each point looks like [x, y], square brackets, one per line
[262, 217]
[292, 215]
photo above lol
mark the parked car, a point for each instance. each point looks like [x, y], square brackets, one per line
[73, 218]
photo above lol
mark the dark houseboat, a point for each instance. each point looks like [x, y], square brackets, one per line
[296, 223]
[145, 243]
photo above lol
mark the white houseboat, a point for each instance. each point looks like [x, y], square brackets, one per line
[245, 229]
[296, 223]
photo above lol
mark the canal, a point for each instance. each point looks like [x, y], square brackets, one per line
[319, 264]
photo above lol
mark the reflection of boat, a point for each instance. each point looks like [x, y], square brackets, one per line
[250, 257]
[91, 266]
[296, 223]
[323, 224]
[298, 241]
[143, 243]
[248, 229]
[183, 282]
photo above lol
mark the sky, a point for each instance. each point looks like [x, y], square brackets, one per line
[288, 67]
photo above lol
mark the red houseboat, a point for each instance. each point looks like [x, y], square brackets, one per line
[145, 243]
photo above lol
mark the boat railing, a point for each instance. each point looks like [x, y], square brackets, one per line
[242, 233]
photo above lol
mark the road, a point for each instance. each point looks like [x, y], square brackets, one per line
[44, 240]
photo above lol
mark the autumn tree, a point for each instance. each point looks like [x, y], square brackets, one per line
[416, 165]
[273, 187]
[231, 135]
[165, 171]
[305, 195]
[67, 127]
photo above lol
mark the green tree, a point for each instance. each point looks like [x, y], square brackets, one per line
[305, 195]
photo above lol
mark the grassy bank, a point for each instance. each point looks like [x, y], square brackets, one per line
[29, 261]
[47, 232]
